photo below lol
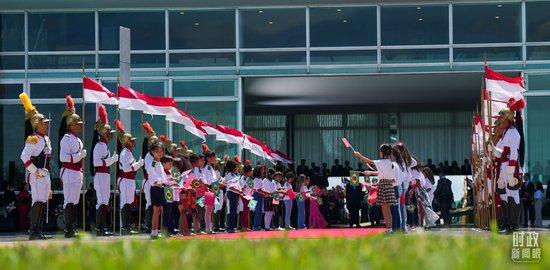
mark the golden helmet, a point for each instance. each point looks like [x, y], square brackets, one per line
[173, 147]
[126, 138]
[103, 129]
[36, 118]
[507, 114]
[73, 119]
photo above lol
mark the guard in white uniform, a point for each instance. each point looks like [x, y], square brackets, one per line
[100, 167]
[507, 151]
[127, 170]
[36, 156]
[71, 155]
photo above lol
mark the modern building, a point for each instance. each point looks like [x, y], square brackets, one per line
[298, 75]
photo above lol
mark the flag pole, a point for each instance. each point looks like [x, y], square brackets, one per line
[142, 183]
[83, 161]
[117, 116]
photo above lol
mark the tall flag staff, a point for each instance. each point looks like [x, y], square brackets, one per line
[84, 147]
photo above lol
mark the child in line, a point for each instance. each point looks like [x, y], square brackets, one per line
[258, 210]
[269, 186]
[301, 188]
[247, 185]
[158, 180]
[286, 187]
[386, 178]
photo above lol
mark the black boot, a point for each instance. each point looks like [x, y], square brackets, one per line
[125, 215]
[34, 222]
[504, 218]
[100, 221]
[43, 212]
[69, 220]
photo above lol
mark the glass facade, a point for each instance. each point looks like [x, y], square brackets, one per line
[199, 56]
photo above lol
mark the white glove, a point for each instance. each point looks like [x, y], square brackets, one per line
[33, 170]
[138, 164]
[83, 154]
[110, 160]
[80, 155]
[496, 152]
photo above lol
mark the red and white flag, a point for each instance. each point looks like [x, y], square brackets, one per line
[234, 136]
[187, 121]
[503, 89]
[346, 143]
[256, 147]
[94, 92]
[130, 99]
[284, 157]
[212, 130]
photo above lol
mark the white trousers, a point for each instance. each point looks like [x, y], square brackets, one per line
[127, 191]
[40, 188]
[72, 186]
[102, 188]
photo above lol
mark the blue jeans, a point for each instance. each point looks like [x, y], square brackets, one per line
[258, 211]
[395, 215]
[301, 214]
[232, 216]
[288, 210]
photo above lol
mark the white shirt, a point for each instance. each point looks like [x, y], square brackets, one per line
[70, 148]
[400, 174]
[258, 183]
[269, 186]
[34, 149]
[287, 186]
[384, 167]
[100, 153]
[156, 173]
[126, 160]
[208, 174]
[232, 181]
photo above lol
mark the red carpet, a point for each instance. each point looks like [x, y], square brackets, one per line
[309, 233]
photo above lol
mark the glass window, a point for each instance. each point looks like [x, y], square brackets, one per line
[202, 59]
[61, 61]
[539, 82]
[415, 56]
[538, 53]
[147, 30]
[343, 57]
[56, 90]
[415, 25]
[342, 26]
[203, 88]
[273, 58]
[538, 21]
[538, 134]
[487, 23]
[157, 60]
[12, 62]
[223, 113]
[12, 37]
[62, 32]
[270, 28]
[192, 29]
[491, 54]
[10, 91]
[150, 88]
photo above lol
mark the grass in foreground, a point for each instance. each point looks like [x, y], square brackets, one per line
[423, 251]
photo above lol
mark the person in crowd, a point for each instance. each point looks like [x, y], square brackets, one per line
[386, 177]
[426, 216]
[429, 184]
[258, 175]
[446, 168]
[247, 186]
[158, 178]
[325, 171]
[354, 197]
[234, 192]
[405, 167]
[302, 168]
[527, 192]
[312, 168]
[444, 196]
[539, 190]
[455, 170]
[167, 163]
[466, 168]
[302, 190]
[347, 168]
[287, 199]
[430, 165]
[316, 220]
[440, 168]
[360, 167]
[279, 167]
[269, 188]
[337, 169]
[23, 206]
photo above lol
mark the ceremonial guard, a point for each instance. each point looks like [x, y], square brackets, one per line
[36, 157]
[507, 156]
[71, 154]
[127, 170]
[100, 168]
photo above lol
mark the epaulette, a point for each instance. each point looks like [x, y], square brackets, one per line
[32, 139]
[153, 164]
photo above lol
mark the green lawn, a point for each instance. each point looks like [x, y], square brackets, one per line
[414, 251]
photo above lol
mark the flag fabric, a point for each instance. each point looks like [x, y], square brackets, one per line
[132, 100]
[188, 122]
[503, 89]
[234, 136]
[94, 92]
[346, 143]
[256, 146]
